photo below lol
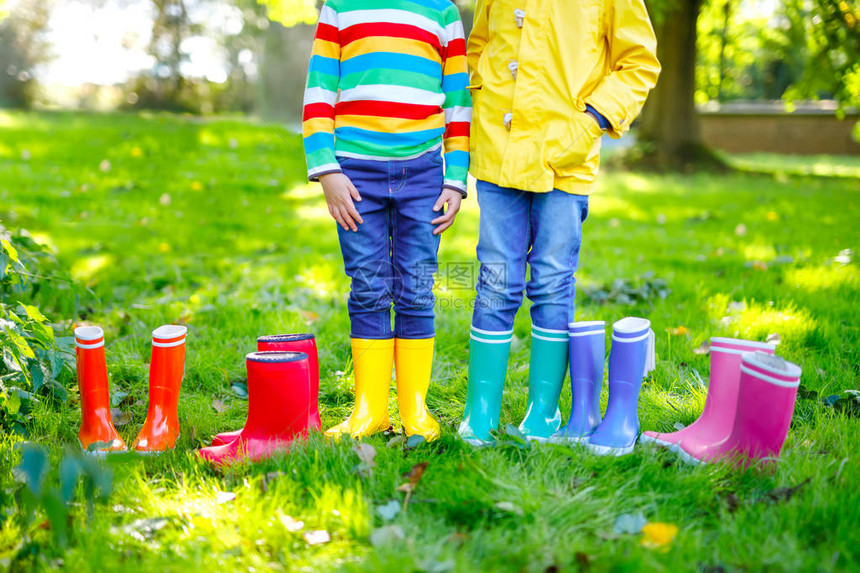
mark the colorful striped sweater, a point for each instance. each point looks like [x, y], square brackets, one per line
[388, 80]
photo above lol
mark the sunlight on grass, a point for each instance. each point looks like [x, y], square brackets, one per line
[754, 321]
[85, 269]
[758, 252]
[820, 165]
[824, 277]
[322, 279]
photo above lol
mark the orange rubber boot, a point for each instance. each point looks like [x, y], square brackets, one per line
[161, 428]
[96, 423]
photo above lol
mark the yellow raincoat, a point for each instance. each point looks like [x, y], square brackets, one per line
[534, 65]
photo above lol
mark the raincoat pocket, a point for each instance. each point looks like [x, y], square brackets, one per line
[578, 145]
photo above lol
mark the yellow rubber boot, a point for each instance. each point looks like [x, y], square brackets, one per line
[372, 361]
[413, 360]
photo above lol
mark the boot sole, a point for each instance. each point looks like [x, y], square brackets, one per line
[671, 446]
[475, 442]
[567, 441]
[688, 458]
[609, 450]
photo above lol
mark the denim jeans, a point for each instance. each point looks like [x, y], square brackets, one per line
[393, 256]
[519, 227]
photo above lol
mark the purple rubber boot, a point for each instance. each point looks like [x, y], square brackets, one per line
[587, 347]
[631, 357]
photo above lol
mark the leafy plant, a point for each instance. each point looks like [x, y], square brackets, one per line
[628, 292]
[53, 492]
[32, 359]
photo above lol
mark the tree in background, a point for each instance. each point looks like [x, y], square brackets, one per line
[22, 48]
[813, 52]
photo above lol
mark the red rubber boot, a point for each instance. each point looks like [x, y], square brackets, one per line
[96, 422]
[289, 343]
[166, 369]
[278, 398]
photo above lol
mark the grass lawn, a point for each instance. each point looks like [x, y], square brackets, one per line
[211, 223]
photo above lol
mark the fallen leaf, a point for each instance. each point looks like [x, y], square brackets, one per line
[416, 473]
[705, 348]
[741, 230]
[773, 338]
[120, 417]
[783, 494]
[164, 200]
[414, 441]
[219, 406]
[240, 389]
[104, 166]
[365, 453]
[145, 529]
[629, 523]
[389, 510]
[508, 507]
[733, 502]
[844, 257]
[387, 535]
[658, 535]
[317, 537]
[396, 440]
[291, 525]
[224, 497]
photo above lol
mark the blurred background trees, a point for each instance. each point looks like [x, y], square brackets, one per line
[249, 56]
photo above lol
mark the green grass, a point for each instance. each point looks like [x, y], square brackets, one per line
[213, 224]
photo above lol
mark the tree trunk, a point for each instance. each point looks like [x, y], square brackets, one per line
[286, 52]
[669, 130]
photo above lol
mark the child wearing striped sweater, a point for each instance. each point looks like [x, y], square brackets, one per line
[386, 132]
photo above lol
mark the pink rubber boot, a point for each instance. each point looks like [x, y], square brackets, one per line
[717, 418]
[768, 389]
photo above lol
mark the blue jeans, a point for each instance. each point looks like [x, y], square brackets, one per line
[519, 227]
[393, 256]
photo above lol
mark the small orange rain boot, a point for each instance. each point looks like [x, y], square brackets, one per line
[161, 428]
[96, 423]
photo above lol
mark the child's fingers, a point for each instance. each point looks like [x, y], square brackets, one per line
[444, 222]
[348, 220]
[353, 192]
[353, 213]
[440, 201]
[341, 217]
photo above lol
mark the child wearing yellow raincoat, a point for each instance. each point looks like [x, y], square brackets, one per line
[548, 79]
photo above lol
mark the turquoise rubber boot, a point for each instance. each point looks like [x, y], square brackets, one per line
[488, 365]
[547, 366]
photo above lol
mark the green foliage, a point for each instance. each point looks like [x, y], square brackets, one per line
[50, 492]
[804, 50]
[830, 32]
[291, 12]
[33, 359]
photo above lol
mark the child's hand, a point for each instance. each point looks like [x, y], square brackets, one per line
[339, 194]
[452, 198]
